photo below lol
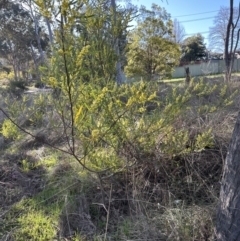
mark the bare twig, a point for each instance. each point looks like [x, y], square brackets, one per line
[108, 213]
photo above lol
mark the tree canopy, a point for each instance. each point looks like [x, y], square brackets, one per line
[217, 35]
[193, 48]
[151, 49]
[18, 42]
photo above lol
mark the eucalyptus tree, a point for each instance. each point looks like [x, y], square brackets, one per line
[16, 33]
[151, 49]
[31, 7]
[40, 42]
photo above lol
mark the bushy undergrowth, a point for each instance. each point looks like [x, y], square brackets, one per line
[17, 84]
[159, 150]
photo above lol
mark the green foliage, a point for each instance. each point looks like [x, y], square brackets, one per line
[16, 30]
[49, 162]
[26, 165]
[36, 112]
[115, 119]
[3, 75]
[193, 48]
[103, 158]
[29, 222]
[10, 131]
[204, 140]
[89, 38]
[39, 217]
[151, 52]
[11, 76]
[35, 225]
[113, 123]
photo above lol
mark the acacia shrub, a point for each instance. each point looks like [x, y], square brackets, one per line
[115, 127]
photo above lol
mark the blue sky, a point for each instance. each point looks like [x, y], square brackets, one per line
[203, 10]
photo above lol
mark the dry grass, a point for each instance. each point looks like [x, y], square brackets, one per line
[163, 197]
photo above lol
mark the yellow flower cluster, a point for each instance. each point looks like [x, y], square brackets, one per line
[80, 58]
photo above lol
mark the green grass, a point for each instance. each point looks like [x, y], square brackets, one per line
[39, 217]
[172, 80]
[205, 76]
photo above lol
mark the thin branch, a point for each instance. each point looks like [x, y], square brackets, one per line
[69, 87]
[30, 134]
[108, 214]
[54, 147]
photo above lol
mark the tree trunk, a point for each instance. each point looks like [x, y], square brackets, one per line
[230, 46]
[227, 51]
[50, 33]
[35, 63]
[119, 74]
[228, 216]
[37, 33]
[188, 77]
